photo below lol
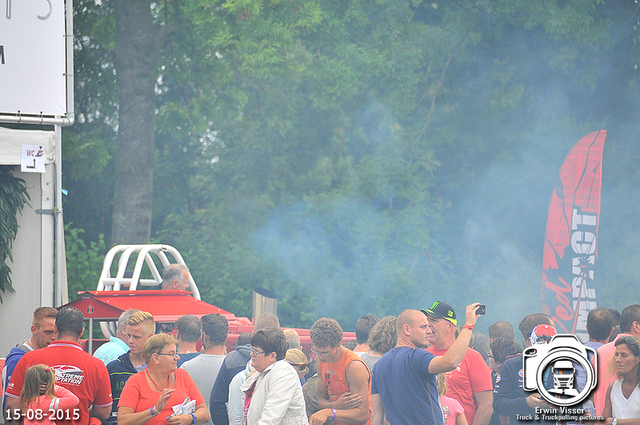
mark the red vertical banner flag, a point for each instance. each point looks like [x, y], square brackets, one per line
[570, 244]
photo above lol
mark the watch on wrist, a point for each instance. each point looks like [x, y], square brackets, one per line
[195, 419]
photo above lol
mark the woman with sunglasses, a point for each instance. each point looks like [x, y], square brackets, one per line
[273, 395]
[148, 397]
[622, 403]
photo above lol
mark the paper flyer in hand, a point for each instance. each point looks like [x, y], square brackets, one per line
[188, 406]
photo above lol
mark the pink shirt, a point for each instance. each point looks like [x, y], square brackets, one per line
[603, 355]
[450, 410]
[51, 411]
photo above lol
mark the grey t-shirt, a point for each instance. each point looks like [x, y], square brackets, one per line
[369, 360]
[204, 369]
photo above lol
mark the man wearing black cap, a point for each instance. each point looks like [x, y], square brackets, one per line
[470, 383]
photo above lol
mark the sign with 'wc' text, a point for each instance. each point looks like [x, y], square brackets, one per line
[32, 57]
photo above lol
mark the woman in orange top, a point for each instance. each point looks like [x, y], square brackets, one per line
[148, 396]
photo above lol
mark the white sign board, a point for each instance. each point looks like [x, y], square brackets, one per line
[32, 159]
[32, 57]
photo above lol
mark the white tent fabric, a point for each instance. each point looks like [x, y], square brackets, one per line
[11, 142]
[33, 267]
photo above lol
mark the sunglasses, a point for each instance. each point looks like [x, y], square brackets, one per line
[631, 343]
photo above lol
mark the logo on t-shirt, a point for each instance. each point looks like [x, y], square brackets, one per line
[445, 414]
[68, 374]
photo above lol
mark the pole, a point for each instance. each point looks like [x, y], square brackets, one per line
[59, 222]
[90, 350]
[60, 258]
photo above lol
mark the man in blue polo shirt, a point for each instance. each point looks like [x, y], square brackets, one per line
[404, 384]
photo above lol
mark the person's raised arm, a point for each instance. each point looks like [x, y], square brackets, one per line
[454, 355]
[66, 398]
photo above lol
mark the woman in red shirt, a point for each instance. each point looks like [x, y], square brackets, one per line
[148, 397]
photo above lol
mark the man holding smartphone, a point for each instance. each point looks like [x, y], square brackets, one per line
[470, 383]
[404, 388]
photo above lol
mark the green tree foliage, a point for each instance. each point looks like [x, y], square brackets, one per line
[316, 186]
[13, 197]
[355, 156]
[88, 146]
[84, 260]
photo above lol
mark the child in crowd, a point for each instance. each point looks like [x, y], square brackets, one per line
[452, 411]
[42, 401]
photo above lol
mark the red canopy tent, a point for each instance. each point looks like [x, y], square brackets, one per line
[166, 306]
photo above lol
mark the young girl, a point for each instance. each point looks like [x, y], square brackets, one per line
[452, 411]
[42, 401]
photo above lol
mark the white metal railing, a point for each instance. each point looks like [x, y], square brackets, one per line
[124, 281]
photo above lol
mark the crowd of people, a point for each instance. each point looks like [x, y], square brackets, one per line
[417, 368]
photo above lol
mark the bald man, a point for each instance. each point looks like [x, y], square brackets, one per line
[404, 383]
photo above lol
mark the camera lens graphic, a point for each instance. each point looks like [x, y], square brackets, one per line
[561, 386]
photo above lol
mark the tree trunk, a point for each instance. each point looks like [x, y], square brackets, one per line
[138, 44]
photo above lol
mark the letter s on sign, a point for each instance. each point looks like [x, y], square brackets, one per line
[45, 17]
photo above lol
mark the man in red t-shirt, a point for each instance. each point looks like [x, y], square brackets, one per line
[470, 383]
[76, 370]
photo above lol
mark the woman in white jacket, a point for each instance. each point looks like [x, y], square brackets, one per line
[273, 394]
